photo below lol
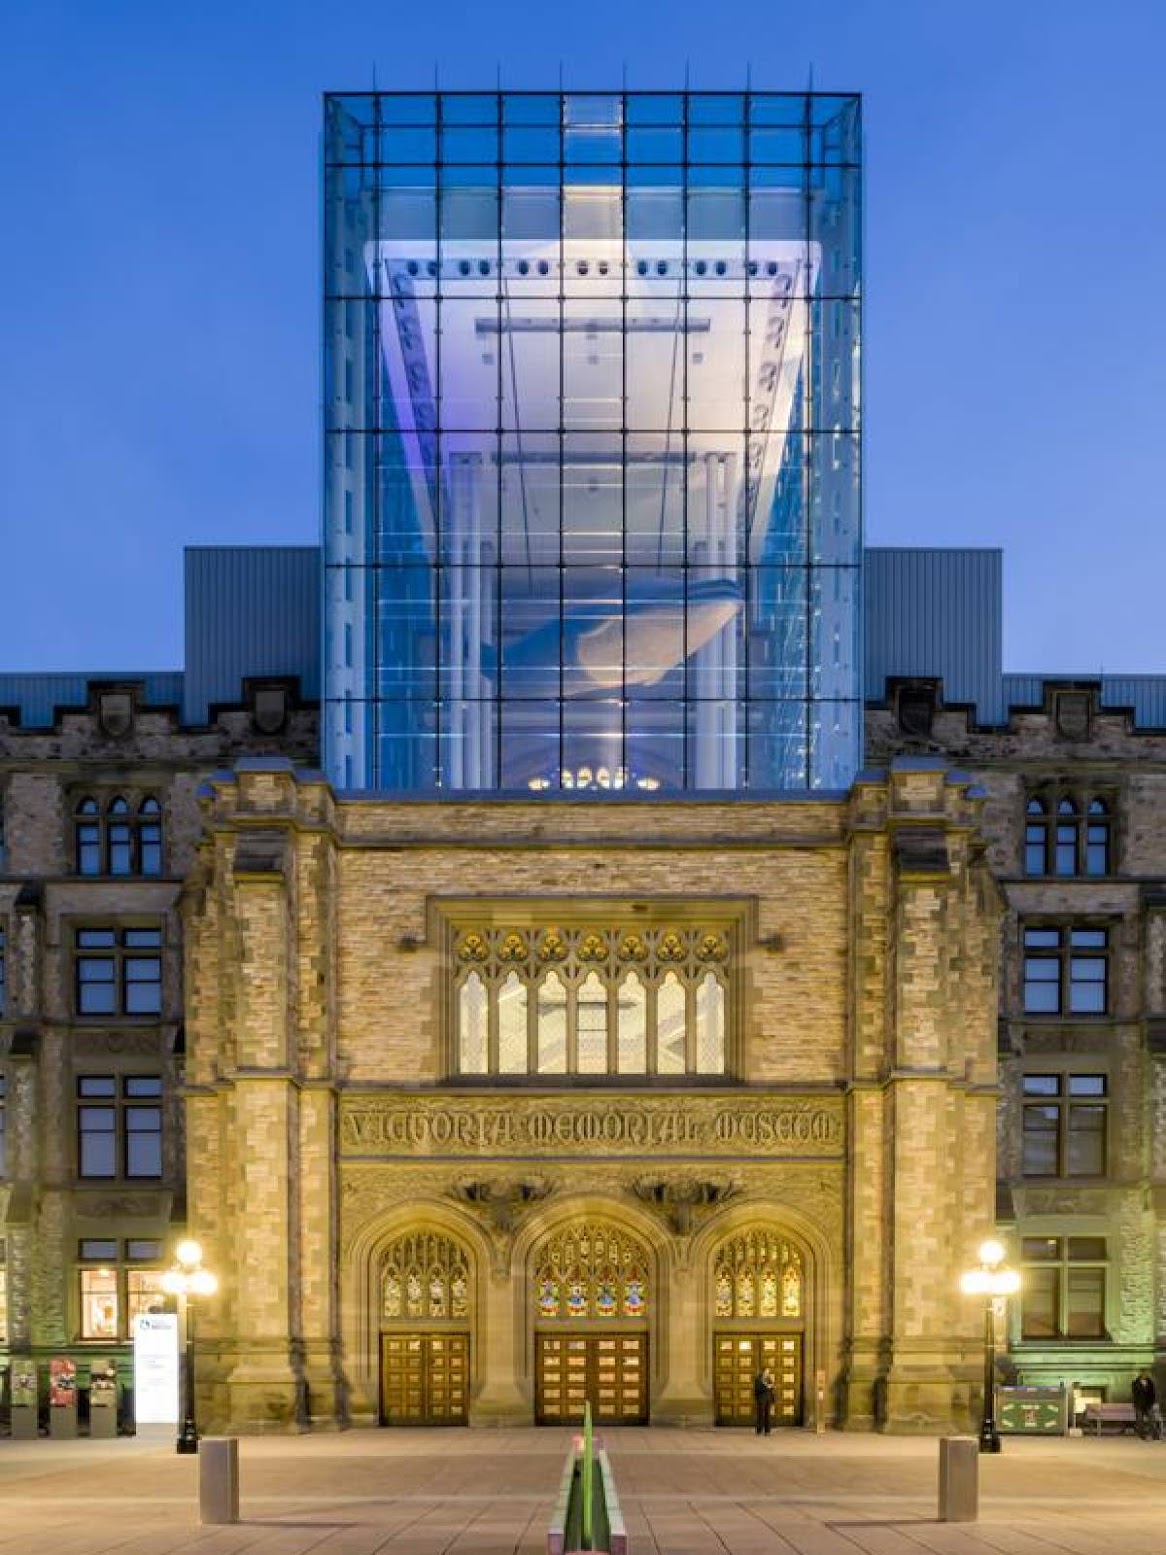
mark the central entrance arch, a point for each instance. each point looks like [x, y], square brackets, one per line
[592, 1285]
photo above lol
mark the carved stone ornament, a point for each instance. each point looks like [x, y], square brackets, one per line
[115, 713]
[1071, 712]
[503, 1203]
[269, 709]
[682, 1200]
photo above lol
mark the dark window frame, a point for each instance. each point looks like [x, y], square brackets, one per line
[1048, 1267]
[118, 837]
[1068, 834]
[1064, 1121]
[1062, 963]
[109, 1256]
[123, 1110]
[120, 958]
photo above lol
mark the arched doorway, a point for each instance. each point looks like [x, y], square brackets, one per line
[425, 1330]
[758, 1305]
[592, 1289]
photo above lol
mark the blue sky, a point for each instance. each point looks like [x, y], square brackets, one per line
[158, 277]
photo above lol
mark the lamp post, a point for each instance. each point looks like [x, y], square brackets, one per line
[186, 1280]
[993, 1281]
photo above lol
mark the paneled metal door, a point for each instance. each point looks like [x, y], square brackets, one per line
[738, 1358]
[425, 1378]
[609, 1369]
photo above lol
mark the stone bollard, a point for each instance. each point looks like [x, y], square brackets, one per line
[218, 1479]
[959, 1479]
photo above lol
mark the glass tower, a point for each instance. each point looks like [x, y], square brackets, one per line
[592, 514]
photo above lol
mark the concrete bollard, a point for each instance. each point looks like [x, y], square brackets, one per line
[959, 1479]
[218, 1479]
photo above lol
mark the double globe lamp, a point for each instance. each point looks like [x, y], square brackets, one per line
[994, 1282]
[186, 1280]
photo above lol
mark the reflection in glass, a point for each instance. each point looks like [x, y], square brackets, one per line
[588, 379]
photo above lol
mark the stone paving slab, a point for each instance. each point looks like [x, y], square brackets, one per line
[490, 1493]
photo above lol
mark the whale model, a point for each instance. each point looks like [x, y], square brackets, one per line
[604, 646]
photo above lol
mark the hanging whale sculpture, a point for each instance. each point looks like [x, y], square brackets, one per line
[604, 646]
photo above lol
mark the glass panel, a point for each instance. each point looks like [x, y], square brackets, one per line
[671, 1028]
[143, 1144]
[632, 1014]
[1042, 1085]
[144, 1292]
[1097, 850]
[1042, 986]
[1087, 1085]
[98, 1304]
[1089, 939]
[1040, 1134]
[472, 1026]
[512, 1026]
[1086, 1142]
[710, 1026]
[1087, 984]
[1042, 1249]
[1040, 1304]
[552, 1025]
[1087, 1249]
[143, 990]
[1085, 1316]
[99, 1248]
[591, 1019]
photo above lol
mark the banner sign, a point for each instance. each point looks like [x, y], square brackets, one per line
[62, 1383]
[156, 1368]
[1032, 1411]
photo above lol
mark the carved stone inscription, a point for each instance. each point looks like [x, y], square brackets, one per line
[765, 1126]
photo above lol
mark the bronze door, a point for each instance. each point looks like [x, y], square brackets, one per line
[609, 1369]
[739, 1357]
[425, 1378]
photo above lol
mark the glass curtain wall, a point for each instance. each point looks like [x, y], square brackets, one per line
[592, 476]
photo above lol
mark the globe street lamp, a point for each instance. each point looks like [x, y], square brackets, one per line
[994, 1282]
[186, 1280]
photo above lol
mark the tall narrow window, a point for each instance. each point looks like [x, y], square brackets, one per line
[592, 1025]
[3, 1127]
[512, 1038]
[3, 977]
[710, 1025]
[670, 1025]
[473, 1025]
[632, 1048]
[552, 1025]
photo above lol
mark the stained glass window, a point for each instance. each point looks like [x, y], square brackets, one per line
[592, 1271]
[758, 1275]
[425, 1277]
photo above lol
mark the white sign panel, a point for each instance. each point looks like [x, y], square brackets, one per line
[156, 1368]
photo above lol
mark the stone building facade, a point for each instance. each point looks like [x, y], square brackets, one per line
[493, 1105]
[1075, 821]
[98, 827]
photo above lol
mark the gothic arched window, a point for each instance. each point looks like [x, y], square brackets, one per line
[425, 1278]
[758, 1275]
[592, 1271]
[627, 999]
[1067, 833]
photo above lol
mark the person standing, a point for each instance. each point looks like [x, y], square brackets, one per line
[1144, 1396]
[763, 1395]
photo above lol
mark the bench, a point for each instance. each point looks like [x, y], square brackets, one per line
[1099, 1416]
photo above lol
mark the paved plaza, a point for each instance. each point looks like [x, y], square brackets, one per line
[490, 1493]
